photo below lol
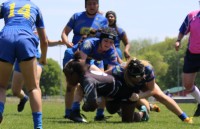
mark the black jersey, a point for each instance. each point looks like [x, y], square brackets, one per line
[97, 84]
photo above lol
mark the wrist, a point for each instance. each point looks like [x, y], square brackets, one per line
[178, 40]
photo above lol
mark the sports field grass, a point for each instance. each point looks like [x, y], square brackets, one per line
[53, 111]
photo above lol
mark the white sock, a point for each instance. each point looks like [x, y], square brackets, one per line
[196, 94]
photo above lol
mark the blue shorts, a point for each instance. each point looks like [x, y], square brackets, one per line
[17, 43]
[17, 68]
[191, 62]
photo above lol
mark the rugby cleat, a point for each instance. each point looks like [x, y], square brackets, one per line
[155, 108]
[21, 104]
[197, 112]
[101, 118]
[188, 120]
[66, 117]
[146, 114]
[76, 116]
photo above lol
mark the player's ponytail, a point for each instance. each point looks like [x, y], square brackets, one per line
[77, 56]
[74, 70]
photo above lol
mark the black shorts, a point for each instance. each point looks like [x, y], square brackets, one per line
[191, 62]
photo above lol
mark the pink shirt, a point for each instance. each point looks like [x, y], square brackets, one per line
[192, 25]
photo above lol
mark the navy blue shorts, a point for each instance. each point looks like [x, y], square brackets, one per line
[191, 62]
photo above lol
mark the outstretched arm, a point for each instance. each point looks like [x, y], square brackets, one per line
[152, 88]
[52, 43]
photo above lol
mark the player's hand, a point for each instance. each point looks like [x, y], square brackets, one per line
[70, 44]
[60, 42]
[134, 97]
[177, 45]
[43, 60]
[127, 55]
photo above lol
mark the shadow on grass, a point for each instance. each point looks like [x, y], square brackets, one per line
[65, 121]
[59, 120]
[17, 114]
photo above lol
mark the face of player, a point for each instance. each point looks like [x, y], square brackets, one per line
[106, 44]
[92, 7]
[111, 19]
[135, 80]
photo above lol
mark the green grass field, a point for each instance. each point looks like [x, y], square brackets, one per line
[53, 111]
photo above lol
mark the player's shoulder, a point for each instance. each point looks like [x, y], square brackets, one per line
[100, 16]
[78, 14]
[193, 13]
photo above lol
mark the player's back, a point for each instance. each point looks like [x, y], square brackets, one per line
[20, 13]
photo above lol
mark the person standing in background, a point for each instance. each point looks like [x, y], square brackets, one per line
[191, 65]
[81, 23]
[121, 35]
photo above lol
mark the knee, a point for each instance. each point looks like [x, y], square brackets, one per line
[188, 84]
[111, 111]
[112, 108]
[89, 106]
[34, 90]
[188, 87]
[137, 117]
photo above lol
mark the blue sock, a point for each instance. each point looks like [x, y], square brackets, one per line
[26, 97]
[75, 106]
[37, 119]
[183, 116]
[1, 107]
[100, 112]
[67, 112]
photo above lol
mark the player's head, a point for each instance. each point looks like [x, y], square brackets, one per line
[92, 6]
[74, 69]
[108, 33]
[112, 18]
[134, 71]
[135, 68]
[107, 38]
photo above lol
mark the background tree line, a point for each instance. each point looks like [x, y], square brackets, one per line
[166, 61]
